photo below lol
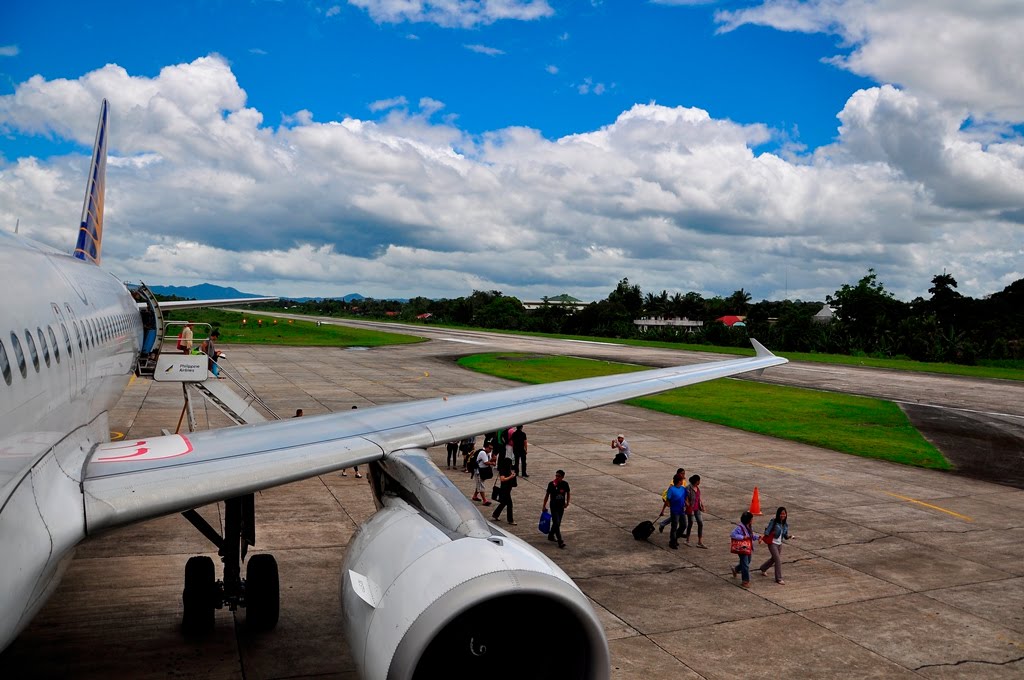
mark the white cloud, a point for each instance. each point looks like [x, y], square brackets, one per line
[552, 69]
[199, 188]
[484, 49]
[454, 13]
[588, 86]
[9, 51]
[333, 10]
[963, 54]
[384, 104]
[257, 50]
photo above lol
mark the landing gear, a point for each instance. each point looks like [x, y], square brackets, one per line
[258, 593]
[200, 595]
[262, 593]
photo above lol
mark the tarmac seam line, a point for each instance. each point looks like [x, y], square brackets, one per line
[963, 661]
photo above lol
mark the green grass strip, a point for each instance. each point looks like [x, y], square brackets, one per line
[862, 426]
[1003, 370]
[295, 333]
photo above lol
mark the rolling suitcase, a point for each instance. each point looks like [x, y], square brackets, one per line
[643, 531]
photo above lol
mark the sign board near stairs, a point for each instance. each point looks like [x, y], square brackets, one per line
[181, 368]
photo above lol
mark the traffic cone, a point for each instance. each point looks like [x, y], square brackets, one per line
[755, 503]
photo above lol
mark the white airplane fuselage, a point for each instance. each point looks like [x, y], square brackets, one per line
[71, 334]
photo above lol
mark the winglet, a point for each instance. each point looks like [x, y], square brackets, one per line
[761, 350]
[90, 233]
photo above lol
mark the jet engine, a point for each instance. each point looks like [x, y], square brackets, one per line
[429, 590]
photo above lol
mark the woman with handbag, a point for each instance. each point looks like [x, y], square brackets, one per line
[775, 533]
[742, 544]
[507, 477]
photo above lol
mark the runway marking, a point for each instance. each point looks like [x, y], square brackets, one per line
[929, 505]
[590, 342]
[775, 467]
[468, 342]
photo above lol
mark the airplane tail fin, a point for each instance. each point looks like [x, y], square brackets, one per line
[90, 233]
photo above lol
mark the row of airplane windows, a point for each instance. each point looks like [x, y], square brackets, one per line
[88, 333]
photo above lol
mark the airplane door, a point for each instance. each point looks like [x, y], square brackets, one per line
[65, 335]
[79, 379]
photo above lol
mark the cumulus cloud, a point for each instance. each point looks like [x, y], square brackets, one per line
[963, 54]
[484, 49]
[552, 69]
[384, 104]
[200, 188]
[454, 13]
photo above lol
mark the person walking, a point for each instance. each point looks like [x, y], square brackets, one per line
[559, 494]
[775, 533]
[675, 501]
[694, 508]
[519, 449]
[212, 353]
[483, 471]
[624, 451]
[507, 477]
[664, 495]
[453, 454]
[185, 339]
[743, 538]
[467, 446]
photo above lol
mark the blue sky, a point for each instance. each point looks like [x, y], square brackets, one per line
[377, 142]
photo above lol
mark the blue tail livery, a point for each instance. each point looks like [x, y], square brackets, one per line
[90, 233]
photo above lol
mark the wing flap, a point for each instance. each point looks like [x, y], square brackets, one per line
[131, 481]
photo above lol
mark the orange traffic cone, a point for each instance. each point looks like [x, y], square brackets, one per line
[755, 503]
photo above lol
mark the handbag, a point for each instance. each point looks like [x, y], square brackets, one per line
[485, 472]
[495, 491]
[512, 483]
[741, 546]
[545, 522]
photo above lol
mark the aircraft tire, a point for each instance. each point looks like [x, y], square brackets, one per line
[262, 593]
[198, 596]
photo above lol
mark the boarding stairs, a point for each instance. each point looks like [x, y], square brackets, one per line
[223, 393]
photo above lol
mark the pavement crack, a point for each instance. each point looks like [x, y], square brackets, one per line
[863, 542]
[963, 661]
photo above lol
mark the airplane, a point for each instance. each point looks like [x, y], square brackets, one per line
[419, 575]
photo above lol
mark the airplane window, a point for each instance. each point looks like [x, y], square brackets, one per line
[67, 338]
[53, 341]
[32, 350]
[5, 365]
[42, 343]
[19, 354]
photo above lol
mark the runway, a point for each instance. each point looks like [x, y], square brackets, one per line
[895, 571]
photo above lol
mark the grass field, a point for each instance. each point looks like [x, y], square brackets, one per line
[299, 333]
[1006, 370]
[861, 426]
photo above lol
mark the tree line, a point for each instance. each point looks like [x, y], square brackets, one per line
[868, 321]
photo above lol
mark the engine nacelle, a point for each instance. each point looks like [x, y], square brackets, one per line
[420, 601]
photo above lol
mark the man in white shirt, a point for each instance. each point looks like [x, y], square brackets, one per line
[485, 460]
[622, 445]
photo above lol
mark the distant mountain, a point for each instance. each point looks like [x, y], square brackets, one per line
[204, 291]
[347, 298]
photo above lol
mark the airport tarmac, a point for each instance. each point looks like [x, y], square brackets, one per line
[894, 571]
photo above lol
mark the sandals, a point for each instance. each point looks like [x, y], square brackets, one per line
[701, 545]
[780, 582]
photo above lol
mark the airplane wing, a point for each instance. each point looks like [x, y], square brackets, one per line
[196, 304]
[130, 481]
